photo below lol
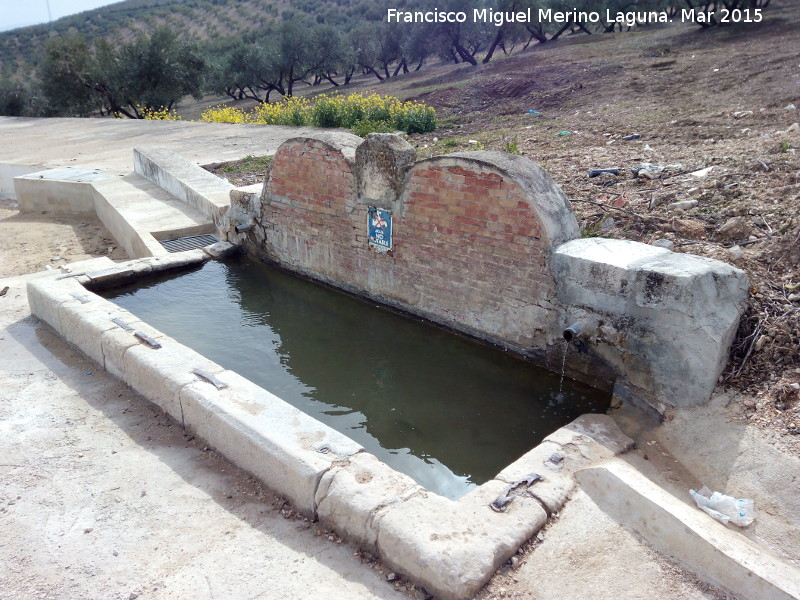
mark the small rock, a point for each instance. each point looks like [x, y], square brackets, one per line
[794, 297]
[742, 114]
[88, 530]
[610, 170]
[735, 253]
[793, 127]
[668, 244]
[115, 553]
[133, 596]
[633, 136]
[607, 225]
[391, 577]
[790, 107]
[735, 228]
[142, 494]
[701, 172]
[683, 205]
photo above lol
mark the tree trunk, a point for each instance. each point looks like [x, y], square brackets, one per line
[560, 31]
[498, 39]
[464, 54]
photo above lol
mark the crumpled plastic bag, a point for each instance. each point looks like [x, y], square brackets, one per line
[727, 509]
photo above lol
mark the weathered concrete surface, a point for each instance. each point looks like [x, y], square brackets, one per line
[453, 548]
[7, 174]
[590, 439]
[585, 554]
[716, 445]
[719, 554]
[352, 498]
[108, 143]
[663, 320]
[62, 191]
[279, 444]
[185, 180]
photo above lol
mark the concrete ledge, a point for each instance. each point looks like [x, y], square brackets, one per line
[718, 554]
[352, 498]
[184, 180]
[261, 433]
[64, 191]
[7, 174]
[136, 243]
[454, 548]
[160, 374]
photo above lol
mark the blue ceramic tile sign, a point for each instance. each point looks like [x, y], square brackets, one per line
[379, 229]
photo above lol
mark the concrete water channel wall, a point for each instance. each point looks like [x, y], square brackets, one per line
[482, 242]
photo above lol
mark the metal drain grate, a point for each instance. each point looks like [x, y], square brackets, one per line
[189, 243]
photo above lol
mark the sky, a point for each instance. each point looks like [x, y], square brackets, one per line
[20, 13]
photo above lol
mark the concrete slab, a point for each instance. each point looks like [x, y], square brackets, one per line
[60, 191]
[108, 143]
[138, 213]
[186, 181]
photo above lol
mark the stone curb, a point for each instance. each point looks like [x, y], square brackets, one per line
[717, 553]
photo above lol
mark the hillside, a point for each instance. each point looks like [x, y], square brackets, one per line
[206, 20]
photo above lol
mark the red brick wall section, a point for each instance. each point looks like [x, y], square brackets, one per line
[468, 245]
[470, 238]
[309, 193]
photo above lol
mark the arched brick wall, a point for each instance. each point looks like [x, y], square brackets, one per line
[472, 234]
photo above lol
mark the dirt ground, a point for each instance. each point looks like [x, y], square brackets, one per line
[101, 496]
[37, 242]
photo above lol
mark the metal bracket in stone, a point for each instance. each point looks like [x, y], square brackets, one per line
[147, 340]
[501, 503]
[120, 323]
[80, 297]
[210, 378]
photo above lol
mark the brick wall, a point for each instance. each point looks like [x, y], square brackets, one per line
[472, 235]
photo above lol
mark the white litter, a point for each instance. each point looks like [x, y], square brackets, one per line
[727, 509]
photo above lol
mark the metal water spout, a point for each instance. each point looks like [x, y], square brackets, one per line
[573, 331]
[580, 329]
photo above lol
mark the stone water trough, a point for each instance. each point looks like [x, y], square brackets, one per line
[482, 242]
